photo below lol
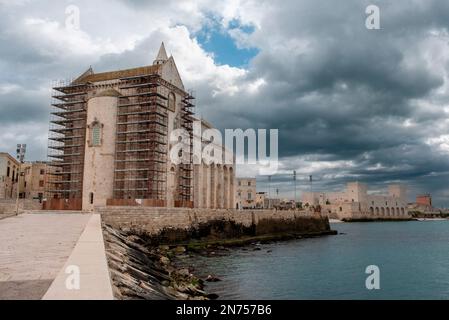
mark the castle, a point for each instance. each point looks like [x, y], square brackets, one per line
[356, 203]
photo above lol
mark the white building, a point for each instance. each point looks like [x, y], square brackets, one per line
[245, 196]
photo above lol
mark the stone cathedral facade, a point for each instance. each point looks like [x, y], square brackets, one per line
[109, 143]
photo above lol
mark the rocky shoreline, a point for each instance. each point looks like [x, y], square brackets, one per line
[139, 271]
[141, 267]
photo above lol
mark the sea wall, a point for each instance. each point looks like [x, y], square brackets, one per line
[352, 212]
[180, 224]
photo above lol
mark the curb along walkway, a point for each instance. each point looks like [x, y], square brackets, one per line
[89, 258]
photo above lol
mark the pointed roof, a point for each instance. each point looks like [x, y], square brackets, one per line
[85, 74]
[112, 75]
[162, 55]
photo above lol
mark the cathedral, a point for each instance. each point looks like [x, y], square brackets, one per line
[109, 143]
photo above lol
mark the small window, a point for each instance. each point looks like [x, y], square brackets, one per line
[91, 196]
[8, 171]
[42, 172]
[96, 134]
[249, 183]
[41, 183]
[249, 196]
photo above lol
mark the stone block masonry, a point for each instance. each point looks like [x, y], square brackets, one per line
[153, 221]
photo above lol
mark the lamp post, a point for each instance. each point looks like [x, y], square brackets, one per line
[269, 186]
[269, 191]
[21, 150]
[20, 174]
[294, 181]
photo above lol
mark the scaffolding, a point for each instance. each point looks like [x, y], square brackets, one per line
[185, 185]
[141, 142]
[141, 153]
[66, 142]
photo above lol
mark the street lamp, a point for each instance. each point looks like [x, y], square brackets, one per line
[21, 174]
[294, 179]
[21, 150]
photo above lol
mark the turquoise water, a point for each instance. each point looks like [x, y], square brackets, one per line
[413, 258]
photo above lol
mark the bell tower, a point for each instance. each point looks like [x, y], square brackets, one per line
[161, 56]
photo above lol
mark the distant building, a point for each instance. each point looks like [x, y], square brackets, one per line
[271, 203]
[33, 181]
[423, 204]
[9, 176]
[424, 200]
[245, 196]
[355, 202]
[260, 200]
[286, 205]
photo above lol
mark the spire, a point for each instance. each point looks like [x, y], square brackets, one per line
[161, 56]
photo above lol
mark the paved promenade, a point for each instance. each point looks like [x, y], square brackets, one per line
[34, 249]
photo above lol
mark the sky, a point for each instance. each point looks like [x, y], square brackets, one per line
[351, 104]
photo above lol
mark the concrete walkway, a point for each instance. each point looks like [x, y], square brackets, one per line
[85, 274]
[33, 249]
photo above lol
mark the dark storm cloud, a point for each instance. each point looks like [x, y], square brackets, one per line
[19, 105]
[348, 91]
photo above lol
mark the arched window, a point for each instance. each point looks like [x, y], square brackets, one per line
[95, 134]
[172, 102]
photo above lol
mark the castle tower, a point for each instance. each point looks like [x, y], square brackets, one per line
[356, 191]
[398, 191]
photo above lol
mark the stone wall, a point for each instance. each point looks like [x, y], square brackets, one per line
[9, 205]
[154, 220]
[352, 211]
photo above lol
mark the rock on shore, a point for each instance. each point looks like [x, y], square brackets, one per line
[142, 272]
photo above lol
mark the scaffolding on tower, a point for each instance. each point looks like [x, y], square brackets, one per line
[66, 143]
[141, 142]
[185, 186]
